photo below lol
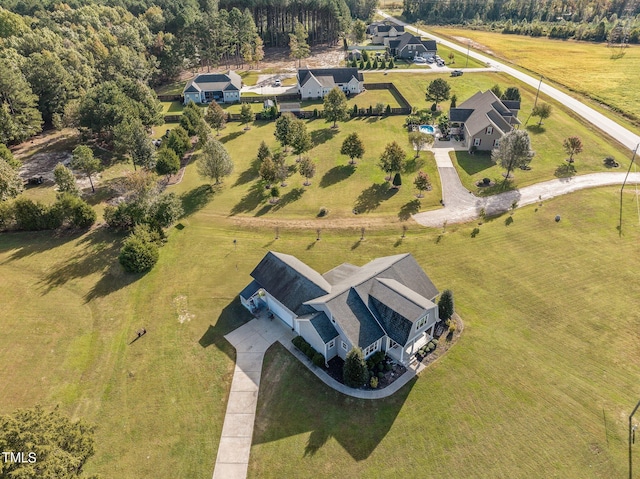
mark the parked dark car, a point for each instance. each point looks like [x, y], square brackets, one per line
[456, 73]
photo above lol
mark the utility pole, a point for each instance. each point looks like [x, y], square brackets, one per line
[622, 188]
[632, 433]
[468, 46]
[538, 92]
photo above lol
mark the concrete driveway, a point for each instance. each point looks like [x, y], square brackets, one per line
[620, 133]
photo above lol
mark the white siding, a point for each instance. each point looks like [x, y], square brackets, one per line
[191, 96]
[309, 333]
[280, 310]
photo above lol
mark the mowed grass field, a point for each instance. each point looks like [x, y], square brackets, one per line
[540, 384]
[589, 68]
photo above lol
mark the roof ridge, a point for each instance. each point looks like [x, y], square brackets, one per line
[384, 282]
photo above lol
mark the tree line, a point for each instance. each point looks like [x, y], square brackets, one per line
[594, 20]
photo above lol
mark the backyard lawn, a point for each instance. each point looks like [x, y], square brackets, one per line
[547, 366]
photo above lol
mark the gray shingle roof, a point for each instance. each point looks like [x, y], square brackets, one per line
[340, 273]
[229, 81]
[511, 104]
[487, 110]
[459, 114]
[339, 75]
[323, 326]
[250, 289]
[290, 281]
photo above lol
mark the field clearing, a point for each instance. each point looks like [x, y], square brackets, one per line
[588, 68]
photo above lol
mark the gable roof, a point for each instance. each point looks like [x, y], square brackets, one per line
[484, 109]
[400, 42]
[229, 81]
[329, 77]
[290, 281]
[323, 326]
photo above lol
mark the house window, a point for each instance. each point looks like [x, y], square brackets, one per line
[371, 348]
[496, 143]
[476, 141]
[344, 345]
[489, 130]
[331, 344]
[421, 322]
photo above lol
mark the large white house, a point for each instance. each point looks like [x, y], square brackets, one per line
[218, 87]
[385, 305]
[316, 83]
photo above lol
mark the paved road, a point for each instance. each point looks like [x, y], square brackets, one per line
[624, 136]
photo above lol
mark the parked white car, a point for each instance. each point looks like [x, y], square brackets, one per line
[419, 60]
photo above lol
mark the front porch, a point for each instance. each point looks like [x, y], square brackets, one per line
[406, 355]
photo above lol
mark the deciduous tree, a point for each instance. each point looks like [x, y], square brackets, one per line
[84, 161]
[512, 93]
[214, 161]
[542, 111]
[263, 152]
[246, 115]
[422, 183]
[438, 90]
[573, 146]
[392, 160]
[300, 139]
[419, 140]
[513, 151]
[65, 180]
[353, 147]
[335, 106]
[216, 117]
[283, 129]
[10, 182]
[307, 169]
[268, 171]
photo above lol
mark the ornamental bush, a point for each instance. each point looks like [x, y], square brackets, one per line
[354, 372]
[139, 252]
[318, 360]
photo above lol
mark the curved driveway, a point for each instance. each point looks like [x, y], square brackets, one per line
[624, 136]
[460, 205]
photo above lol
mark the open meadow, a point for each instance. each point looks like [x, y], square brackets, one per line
[608, 75]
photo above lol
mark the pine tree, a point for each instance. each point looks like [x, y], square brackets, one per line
[445, 305]
[65, 180]
[354, 372]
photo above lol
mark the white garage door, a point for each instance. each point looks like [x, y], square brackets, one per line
[280, 311]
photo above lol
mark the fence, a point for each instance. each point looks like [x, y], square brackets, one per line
[170, 97]
[404, 104]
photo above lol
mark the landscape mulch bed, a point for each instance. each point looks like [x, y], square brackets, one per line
[337, 363]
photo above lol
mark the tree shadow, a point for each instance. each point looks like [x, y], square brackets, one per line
[321, 136]
[508, 220]
[29, 243]
[536, 129]
[337, 416]
[500, 186]
[336, 174]
[293, 195]
[196, 199]
[230, 136]
[413, 165]
[371, 198]
[475, 163]
[356, 245]
[104, 192]
[249, 202]
[565, 170]
[249, 174]
[408, 209]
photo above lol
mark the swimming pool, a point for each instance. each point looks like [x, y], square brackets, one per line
[427, 129]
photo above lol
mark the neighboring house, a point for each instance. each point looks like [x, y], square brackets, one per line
[313, 84]
[378, 31]
[408, 46]
[483, 120]
[218, 87]
[385, 305]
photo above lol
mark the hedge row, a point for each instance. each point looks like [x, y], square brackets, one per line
[300, 343]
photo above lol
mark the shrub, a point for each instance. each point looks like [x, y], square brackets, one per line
[397, 180]
[315, 113]
[374, 382]
[6, 214]
[323, 212]
[388, 367]
[486, 181]
[310, 352]
[354, 372]
[35, 216]
[387, 110]
[355, 110]
[434, 341]
[430, 347]
[452, 326]
[75, 211]
[318, 360]
[380, 374]
[475, 232]
[391, 64]
[298, 341]
[139, 252]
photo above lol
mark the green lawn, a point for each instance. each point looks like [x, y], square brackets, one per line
[363, 100]
[546, 368]
[595, 70]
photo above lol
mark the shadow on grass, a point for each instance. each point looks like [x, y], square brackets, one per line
[230, 136]
[500, 186]
[336, 174]
[565, 170]
[249, 202]
[536, 129]
[319, 137]
[196, 199]
[232, 316]
[249, 174]
[27, 243]
[371, 198]
[408, 209]
[413, 165]
[336, 416]
[475, 163]
[104, 191]
[293, 195]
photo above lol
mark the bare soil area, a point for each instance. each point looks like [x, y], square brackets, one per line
[474, 44]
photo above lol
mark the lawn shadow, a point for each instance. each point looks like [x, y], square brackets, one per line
[336, 416]
[408, 209]
[293, 195]
[249, 174]
[500, 186]
[27, 243]
[475, 163]
[104, 191]
[230, 136]
[336, 174]
[249, 202]
[371, 198]
[356, 245]
[321, 136]
[232, 316]
[536, 129]
[565, 170]
[196, 199]
[413, 165]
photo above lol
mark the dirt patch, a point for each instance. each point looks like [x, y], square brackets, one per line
[182, 308]
[474, 44]
[42, 164]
